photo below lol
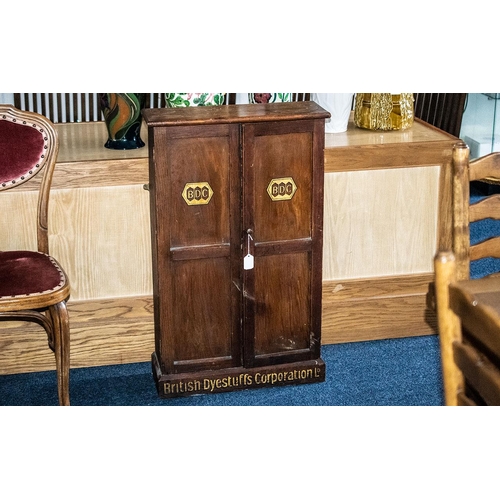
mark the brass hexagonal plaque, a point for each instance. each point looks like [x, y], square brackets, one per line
[197, 193]
[281, 189]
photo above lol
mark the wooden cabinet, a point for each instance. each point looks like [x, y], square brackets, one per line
[236, 197]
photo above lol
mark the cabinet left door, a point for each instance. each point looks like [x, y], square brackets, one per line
[195, 186]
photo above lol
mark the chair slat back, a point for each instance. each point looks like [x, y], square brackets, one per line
[486, 168]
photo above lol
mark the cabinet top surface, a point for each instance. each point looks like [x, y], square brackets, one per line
[236, 113]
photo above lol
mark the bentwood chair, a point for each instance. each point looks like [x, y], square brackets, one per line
[468, 314]
[33, 286]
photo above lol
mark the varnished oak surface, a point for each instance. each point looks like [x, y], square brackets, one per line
[366, 150]
[99, 202]
[354, 136]
[241, 113]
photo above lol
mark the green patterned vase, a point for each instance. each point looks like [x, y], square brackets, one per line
[122, 114]
[186, 100]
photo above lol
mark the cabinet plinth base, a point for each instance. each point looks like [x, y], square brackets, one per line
[233, 379]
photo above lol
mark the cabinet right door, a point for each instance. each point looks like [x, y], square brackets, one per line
[282, 232]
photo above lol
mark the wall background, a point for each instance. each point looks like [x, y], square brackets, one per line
[9, 98]
[6, 98]
[481, 124]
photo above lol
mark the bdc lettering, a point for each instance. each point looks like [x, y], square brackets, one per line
[198, 194]
[282, 189]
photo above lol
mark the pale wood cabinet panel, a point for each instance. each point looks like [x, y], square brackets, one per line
[380, 222]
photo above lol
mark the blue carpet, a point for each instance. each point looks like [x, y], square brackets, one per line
[396, 372]
[482, 230]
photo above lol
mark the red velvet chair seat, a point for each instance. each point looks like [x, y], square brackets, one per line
[25, 273]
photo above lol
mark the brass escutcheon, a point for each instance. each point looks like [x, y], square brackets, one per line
[281, 189]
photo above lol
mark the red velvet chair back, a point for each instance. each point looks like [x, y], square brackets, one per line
[28, 146]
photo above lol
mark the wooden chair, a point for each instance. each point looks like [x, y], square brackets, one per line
[444, 111]
[33, 286]
[469, 331]
[485, 169]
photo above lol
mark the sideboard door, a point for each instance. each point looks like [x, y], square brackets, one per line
[282, 224]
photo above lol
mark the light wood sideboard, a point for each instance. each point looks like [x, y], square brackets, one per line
[387, 211]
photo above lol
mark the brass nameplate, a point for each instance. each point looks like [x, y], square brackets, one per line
[281, 189]
[197, 193]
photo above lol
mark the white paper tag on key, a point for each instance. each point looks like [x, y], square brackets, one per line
[248, 262]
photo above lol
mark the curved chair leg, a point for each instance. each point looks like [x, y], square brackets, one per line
[61, 336]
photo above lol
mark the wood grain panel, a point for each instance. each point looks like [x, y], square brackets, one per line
[99, 173]
[282, 303]
[202, 325]
[105, 246]
[18, 220]
[393, 307]
[288, 157]
[101, 237]
[199, 160]
[381, 222]
[104, 332]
